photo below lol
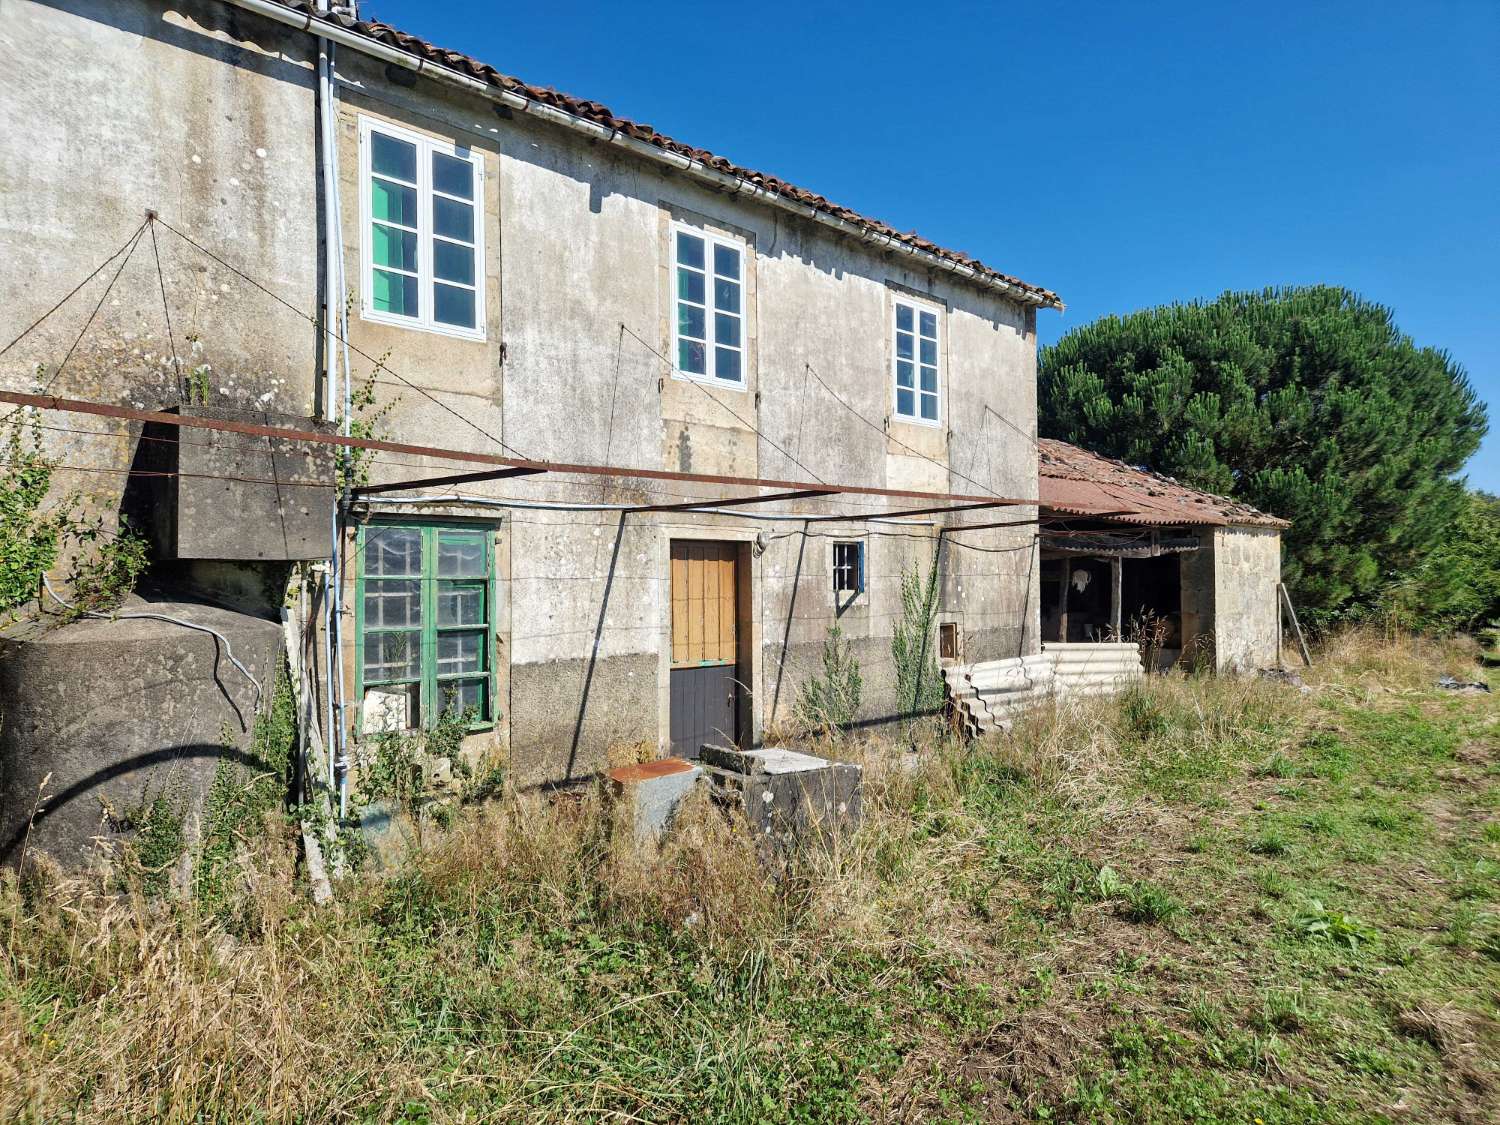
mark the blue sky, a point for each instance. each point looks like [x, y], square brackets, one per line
[1124, 155]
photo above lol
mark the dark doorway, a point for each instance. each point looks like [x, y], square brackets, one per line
[706, 680]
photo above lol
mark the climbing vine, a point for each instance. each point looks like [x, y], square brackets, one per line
[29, 538]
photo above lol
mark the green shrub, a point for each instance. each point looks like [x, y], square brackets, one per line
[919, 684]
[831, 701]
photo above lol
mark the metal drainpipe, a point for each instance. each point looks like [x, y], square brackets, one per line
[332, 300]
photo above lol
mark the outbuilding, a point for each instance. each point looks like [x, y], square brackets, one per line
[1193, 575]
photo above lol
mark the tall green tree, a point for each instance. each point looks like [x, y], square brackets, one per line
[1457, 585]
[1308, 403]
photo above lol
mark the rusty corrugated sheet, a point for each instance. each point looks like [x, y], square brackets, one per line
[1073, 481]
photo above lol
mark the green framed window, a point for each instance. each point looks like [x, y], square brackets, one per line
[426, 624]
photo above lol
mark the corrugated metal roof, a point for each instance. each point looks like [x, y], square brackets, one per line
[1074, 481]
[601, 115]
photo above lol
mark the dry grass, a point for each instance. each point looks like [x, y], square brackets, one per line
[963, 955]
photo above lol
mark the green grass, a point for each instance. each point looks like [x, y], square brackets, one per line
[1212, 900]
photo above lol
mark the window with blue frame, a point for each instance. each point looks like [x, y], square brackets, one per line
[848, 568]
[425, 624]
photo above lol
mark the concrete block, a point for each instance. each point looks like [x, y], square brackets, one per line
[653, 790]
[237, 497]
[787, 795]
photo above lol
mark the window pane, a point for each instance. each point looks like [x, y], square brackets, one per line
[390, 708]
[452, 219]
[394, 248]
[904, 404]
[727, 329]
[464, 696]
[929, 350]
[393, 603]
[903, 373]
[689, 285]
[452, 175]
[454, 306]
[461, 555]
[460, 652]
[394, 158]
[393, 203]
[689, 250]
[929, 325]
[727, 364]
[929, 379]
[726, 295]
[690, 321]
[451, 262]
[904, 345]
[460, 605]
[393, 551]
[691, 357]
[903, 318]
[394, 293]
[726, 261]
[929, 407]
[392, 656]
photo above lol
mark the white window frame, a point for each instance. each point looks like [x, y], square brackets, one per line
[740, 247]
[426, 146]
[918, 307]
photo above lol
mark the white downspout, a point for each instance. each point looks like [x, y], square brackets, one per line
[332, 318]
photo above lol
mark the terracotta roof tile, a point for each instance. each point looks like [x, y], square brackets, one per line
[601, 115]
[1076, 482]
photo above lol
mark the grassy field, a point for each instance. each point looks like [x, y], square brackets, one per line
[1213, 899]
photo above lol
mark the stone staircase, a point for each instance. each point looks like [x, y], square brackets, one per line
[989, 695]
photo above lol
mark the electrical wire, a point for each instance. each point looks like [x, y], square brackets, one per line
[380, 365]
[772, 442]
[228, 651]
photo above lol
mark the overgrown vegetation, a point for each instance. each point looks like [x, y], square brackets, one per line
[1457, 585]
[829, 702]
[1076, 922]
[919, 683]
[402, 766]
[29, 537]
[105, 566]
[246, 796]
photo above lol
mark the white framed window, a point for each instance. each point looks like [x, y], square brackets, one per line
[917, 366]
[849, 568]
[422, 231]
[708, 299]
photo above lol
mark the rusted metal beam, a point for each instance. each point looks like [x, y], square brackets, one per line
[435, 482]
[918, 511]
[737, 501]
[106, 410]
[987, 526]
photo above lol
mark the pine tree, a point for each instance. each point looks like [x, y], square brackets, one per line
[1308, 403]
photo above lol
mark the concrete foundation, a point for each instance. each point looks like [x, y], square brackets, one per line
[102, 716]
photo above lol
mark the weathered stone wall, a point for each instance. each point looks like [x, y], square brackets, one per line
[578, 311]
[207, 114]
[1247, 567]
[203, 113]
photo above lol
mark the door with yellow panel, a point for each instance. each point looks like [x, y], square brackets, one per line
[705, 645]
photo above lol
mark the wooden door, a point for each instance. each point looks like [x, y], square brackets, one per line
[705, 645]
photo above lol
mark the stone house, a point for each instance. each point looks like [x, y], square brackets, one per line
[738, 413]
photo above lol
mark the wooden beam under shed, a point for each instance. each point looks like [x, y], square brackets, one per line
[738, 501]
